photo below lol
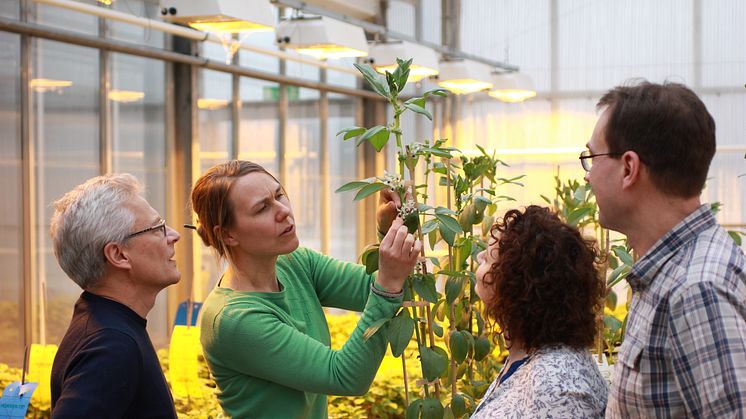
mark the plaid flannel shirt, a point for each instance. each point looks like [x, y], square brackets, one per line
[684, 352]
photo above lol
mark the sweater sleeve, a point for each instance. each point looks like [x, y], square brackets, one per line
[100, 381]
[338, 284]
[256, 342]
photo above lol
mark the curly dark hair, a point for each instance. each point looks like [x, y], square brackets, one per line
[546, 287]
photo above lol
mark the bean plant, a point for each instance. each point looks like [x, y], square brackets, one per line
[454, 373]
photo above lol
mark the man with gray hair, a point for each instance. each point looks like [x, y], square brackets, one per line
[116, 247]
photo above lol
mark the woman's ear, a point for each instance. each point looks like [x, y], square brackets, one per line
[116, 255]
[225, 236]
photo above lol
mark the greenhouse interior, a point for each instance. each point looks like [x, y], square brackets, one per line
[456, 111]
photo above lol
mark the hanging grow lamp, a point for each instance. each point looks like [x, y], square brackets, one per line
[231, 16]
[322, 37]
[464, 76]
[383, 57]
[512, 87]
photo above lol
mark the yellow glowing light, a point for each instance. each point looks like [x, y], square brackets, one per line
[212, 104]
[512, 96]
[220, 23]
[330, 51]
[416, 72]
[106, 2]
[464, 86]
[126, 96]
[49, 85]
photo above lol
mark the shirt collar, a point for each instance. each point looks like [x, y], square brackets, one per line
[646, 269]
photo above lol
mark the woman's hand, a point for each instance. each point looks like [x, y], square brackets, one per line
[398, 254]
[388, 206]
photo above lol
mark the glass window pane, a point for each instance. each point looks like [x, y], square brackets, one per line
[65, 129]
[65, 19]
[260, 123]
[137, 103]
[343, 169]
[11, 206]
[302, 161]
[10, 8]
[215, 131]
[132, 33]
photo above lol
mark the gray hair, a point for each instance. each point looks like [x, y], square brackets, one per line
[86, 219]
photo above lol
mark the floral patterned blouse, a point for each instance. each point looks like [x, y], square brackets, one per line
[555, 382]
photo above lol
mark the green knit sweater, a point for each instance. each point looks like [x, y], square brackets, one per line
[270, 352]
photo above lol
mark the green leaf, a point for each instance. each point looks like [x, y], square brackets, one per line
[736, 236]
[419, 109]
[454, 288]
[400, 332]
[369, 258]
[419, 101]
[376, 80]
[424, 285]
[437, 329]
[412, 221]
[611, 300]
[429, 226]
[459, 346]
[402, 72]
[351, 132]
[351, 185]
[444, 210]
[370, 189]
[467, 218]
[378, 136]
[623, 255]
[432, 409]
[373, 329]
[434, 363]
[612, 323]
[446, 233]
[617, 275]
[449, 222]
[577, 215]
[414, 409]
[482, 348]
[458, 405]
[437, 92]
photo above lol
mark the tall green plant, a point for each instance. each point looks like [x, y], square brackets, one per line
[454, 376]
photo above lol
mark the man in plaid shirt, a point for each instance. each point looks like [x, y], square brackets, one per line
[684, 352]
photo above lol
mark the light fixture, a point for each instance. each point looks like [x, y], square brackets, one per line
[464, 76]
[125, 96]
[512, 87]
[322, 37]
[382, 56]
[49, 85]
[212, 104]
[230, 16]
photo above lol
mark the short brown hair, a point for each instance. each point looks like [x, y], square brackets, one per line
[546, 289]
[210, 199]
[669, 127]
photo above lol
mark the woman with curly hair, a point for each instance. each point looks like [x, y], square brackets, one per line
[540, 287]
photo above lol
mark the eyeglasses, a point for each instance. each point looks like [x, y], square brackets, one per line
[160, 226]
[586, 154]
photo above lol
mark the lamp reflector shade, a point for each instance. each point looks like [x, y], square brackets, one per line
[464, 76]
[322, 37]
[230, 16]
[382, 56]
[512, 87]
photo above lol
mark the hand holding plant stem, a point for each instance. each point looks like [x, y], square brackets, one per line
[398, 254]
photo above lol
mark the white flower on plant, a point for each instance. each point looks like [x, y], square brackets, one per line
[391, 180]
[408, 207]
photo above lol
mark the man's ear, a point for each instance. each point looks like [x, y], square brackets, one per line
[228, 238]
[632, 169]
[116, 255]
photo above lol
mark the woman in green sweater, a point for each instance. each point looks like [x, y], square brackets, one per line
[264, 333]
